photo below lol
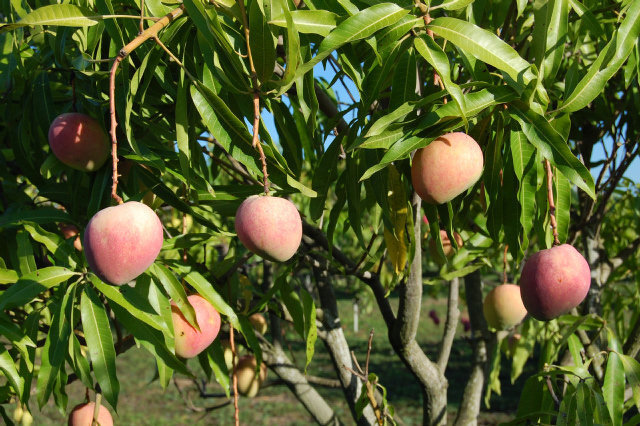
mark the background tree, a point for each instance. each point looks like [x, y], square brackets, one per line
[182, 88]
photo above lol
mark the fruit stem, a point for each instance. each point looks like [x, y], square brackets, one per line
[96, 409]
[234, 376]
[552, 206]
[256, 140]
[256, 98]
[504, 264]
[124, 52]
[73, 93]
[114, 125]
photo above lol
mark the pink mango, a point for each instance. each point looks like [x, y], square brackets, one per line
[121, 242]
[269, 227]
[82, 415]
[79, 141]
[446, 167]
[189, 341]
[503, 307]
[554, 281]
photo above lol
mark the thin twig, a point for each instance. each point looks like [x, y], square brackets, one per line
[114, 125]
[334, 63]
[450, 325]
[504, 264]
[96, 409]
[552, 206]
[141, 16]
[256, 97]
[366, 364]
[365, 253]
[124, 52]
[256, 140]
[175, 58]
[364, 376]
[234, 375]
[552, 392]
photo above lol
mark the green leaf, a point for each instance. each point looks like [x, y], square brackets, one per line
[175, 290]
[293, 304]
[353, 186]
[8, 367]
[32, 284]
[40, 216]
[17, 338]
[357, 27]
[55, 244]
[8, 276]
[62, 15]
[215, 355]
[324, 175]
[310, 330]
[523, 156]
[249, 334]
[116, 297]
[186, 241]
[452, 5]
[493, 382]
[549, 142]
[608, 62]
[557, 27]
[263, 48]
[562, 189]
[614, 379]
[206, 290]
[55, 346]
[97, 332]
[484, 46]
[79, 362]
[293, 45]
[27, 362]
[225, 127]
[403, 86]
[632, 372]
[436, 57]
[217, 38]
[24, 252]
[182, 126]
[320, 22]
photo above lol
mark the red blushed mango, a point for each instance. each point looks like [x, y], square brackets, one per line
[503, 307]
[554, 281]
[446, 167]
[248, 381]
[121, 242]
[259, 323]
[269, 227]
[79, 141]
[447, 247]
[189, 341]
[70, 231]
[82, 415]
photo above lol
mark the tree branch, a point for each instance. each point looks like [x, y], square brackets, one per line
[337, 345]
[297, 383]
[450, 326]
[481, 339]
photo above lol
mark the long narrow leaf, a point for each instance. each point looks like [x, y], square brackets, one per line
[356, 27]
[609, 61]
[97, 332]
[546, 139]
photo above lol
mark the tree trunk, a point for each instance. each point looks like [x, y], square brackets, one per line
[472, 397]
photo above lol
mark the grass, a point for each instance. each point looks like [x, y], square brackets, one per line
[142, 401]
